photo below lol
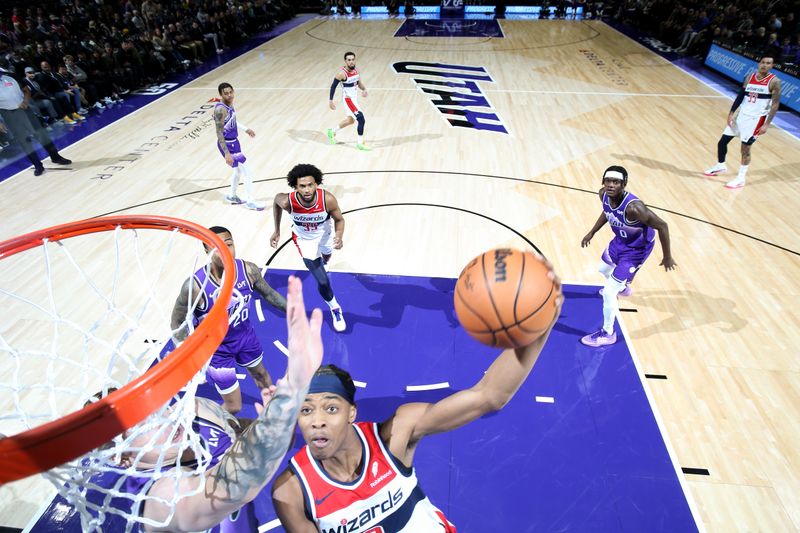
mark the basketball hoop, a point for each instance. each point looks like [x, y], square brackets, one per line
[58, 441]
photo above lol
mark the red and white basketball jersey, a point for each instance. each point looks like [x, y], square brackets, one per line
[350, 84]
[307, 222]
[386, 498]
[757, 98]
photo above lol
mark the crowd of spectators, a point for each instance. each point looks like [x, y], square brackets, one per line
[76, 56]
[753, 27]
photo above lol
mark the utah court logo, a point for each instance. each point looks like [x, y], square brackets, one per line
[455, 93]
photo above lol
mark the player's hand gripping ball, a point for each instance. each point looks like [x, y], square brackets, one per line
[506, 298]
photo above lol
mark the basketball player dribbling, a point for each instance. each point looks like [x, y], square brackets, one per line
[360, 476]
[228, 128]
[313, 211]
[634, 226]
[757, 102]
[241, 346]
[350, 79]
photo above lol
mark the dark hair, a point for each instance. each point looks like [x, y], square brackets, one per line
[224, 85]
[621, 170]
[343, 375]
[349, 54]
[220, 229]
[302, 170]
[760, 59]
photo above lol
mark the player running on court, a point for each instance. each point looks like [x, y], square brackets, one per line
[317, 228]
[351, 82]
[634, 226]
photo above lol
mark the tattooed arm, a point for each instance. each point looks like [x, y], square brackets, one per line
[259, 284]
[189, 294]
[251, 461]
[220, 116]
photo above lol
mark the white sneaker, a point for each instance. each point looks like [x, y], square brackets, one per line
[235, 200]
[255, 206]
[716, 169]
[737, 183]
[338, 319]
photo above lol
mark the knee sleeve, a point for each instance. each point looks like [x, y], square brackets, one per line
[605, 269]
[361, 121]
[722, 147]
[319, 273]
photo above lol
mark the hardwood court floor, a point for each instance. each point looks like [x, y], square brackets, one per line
[575, 98]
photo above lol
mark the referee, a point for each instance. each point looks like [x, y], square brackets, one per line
[20, 120]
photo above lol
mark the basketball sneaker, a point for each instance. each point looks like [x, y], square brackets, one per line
[338, 319]
[363, 147]
[599, 338]
[716, 169]
[235, 200]
[255, 206]
[736, 183]
[331, 135]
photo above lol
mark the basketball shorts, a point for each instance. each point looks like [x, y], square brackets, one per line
[246, 352]
[626, 260]
[236, 152]
[745, 127]
[351, 105]
[312, 248]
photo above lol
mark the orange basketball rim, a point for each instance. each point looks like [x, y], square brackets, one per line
[56, 442]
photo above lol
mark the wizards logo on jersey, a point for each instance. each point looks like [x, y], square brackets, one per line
[456, 93]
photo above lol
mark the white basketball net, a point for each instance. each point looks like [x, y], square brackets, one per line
[84, 315]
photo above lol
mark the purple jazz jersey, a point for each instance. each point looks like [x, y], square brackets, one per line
[632, 242]
[231, 134]
[240, 337]
[217, 442]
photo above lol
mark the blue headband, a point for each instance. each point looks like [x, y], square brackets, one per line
[330, 383]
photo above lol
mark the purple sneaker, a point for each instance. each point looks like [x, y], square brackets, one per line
[599, 338]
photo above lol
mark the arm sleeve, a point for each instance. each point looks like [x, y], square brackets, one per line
[738, 101]
[240, 126]
[336, 81]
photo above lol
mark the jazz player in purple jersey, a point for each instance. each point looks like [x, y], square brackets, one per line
[634, 226]
[240, 346]
[241, 463]
[228, 144]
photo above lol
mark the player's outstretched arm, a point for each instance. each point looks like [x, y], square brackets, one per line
[412, 422]
[639, 211]
[280, 204]
[251, 461]
[263, 288]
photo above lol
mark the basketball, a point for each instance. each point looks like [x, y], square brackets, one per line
[505, 298]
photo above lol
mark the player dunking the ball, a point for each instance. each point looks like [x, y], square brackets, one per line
[634, 226]
[360, 476]
[350, 79]
[228, 143]
[313, 211]
[757, 102]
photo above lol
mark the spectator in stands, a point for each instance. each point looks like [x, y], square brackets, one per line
[42, 102]
[72, 89]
